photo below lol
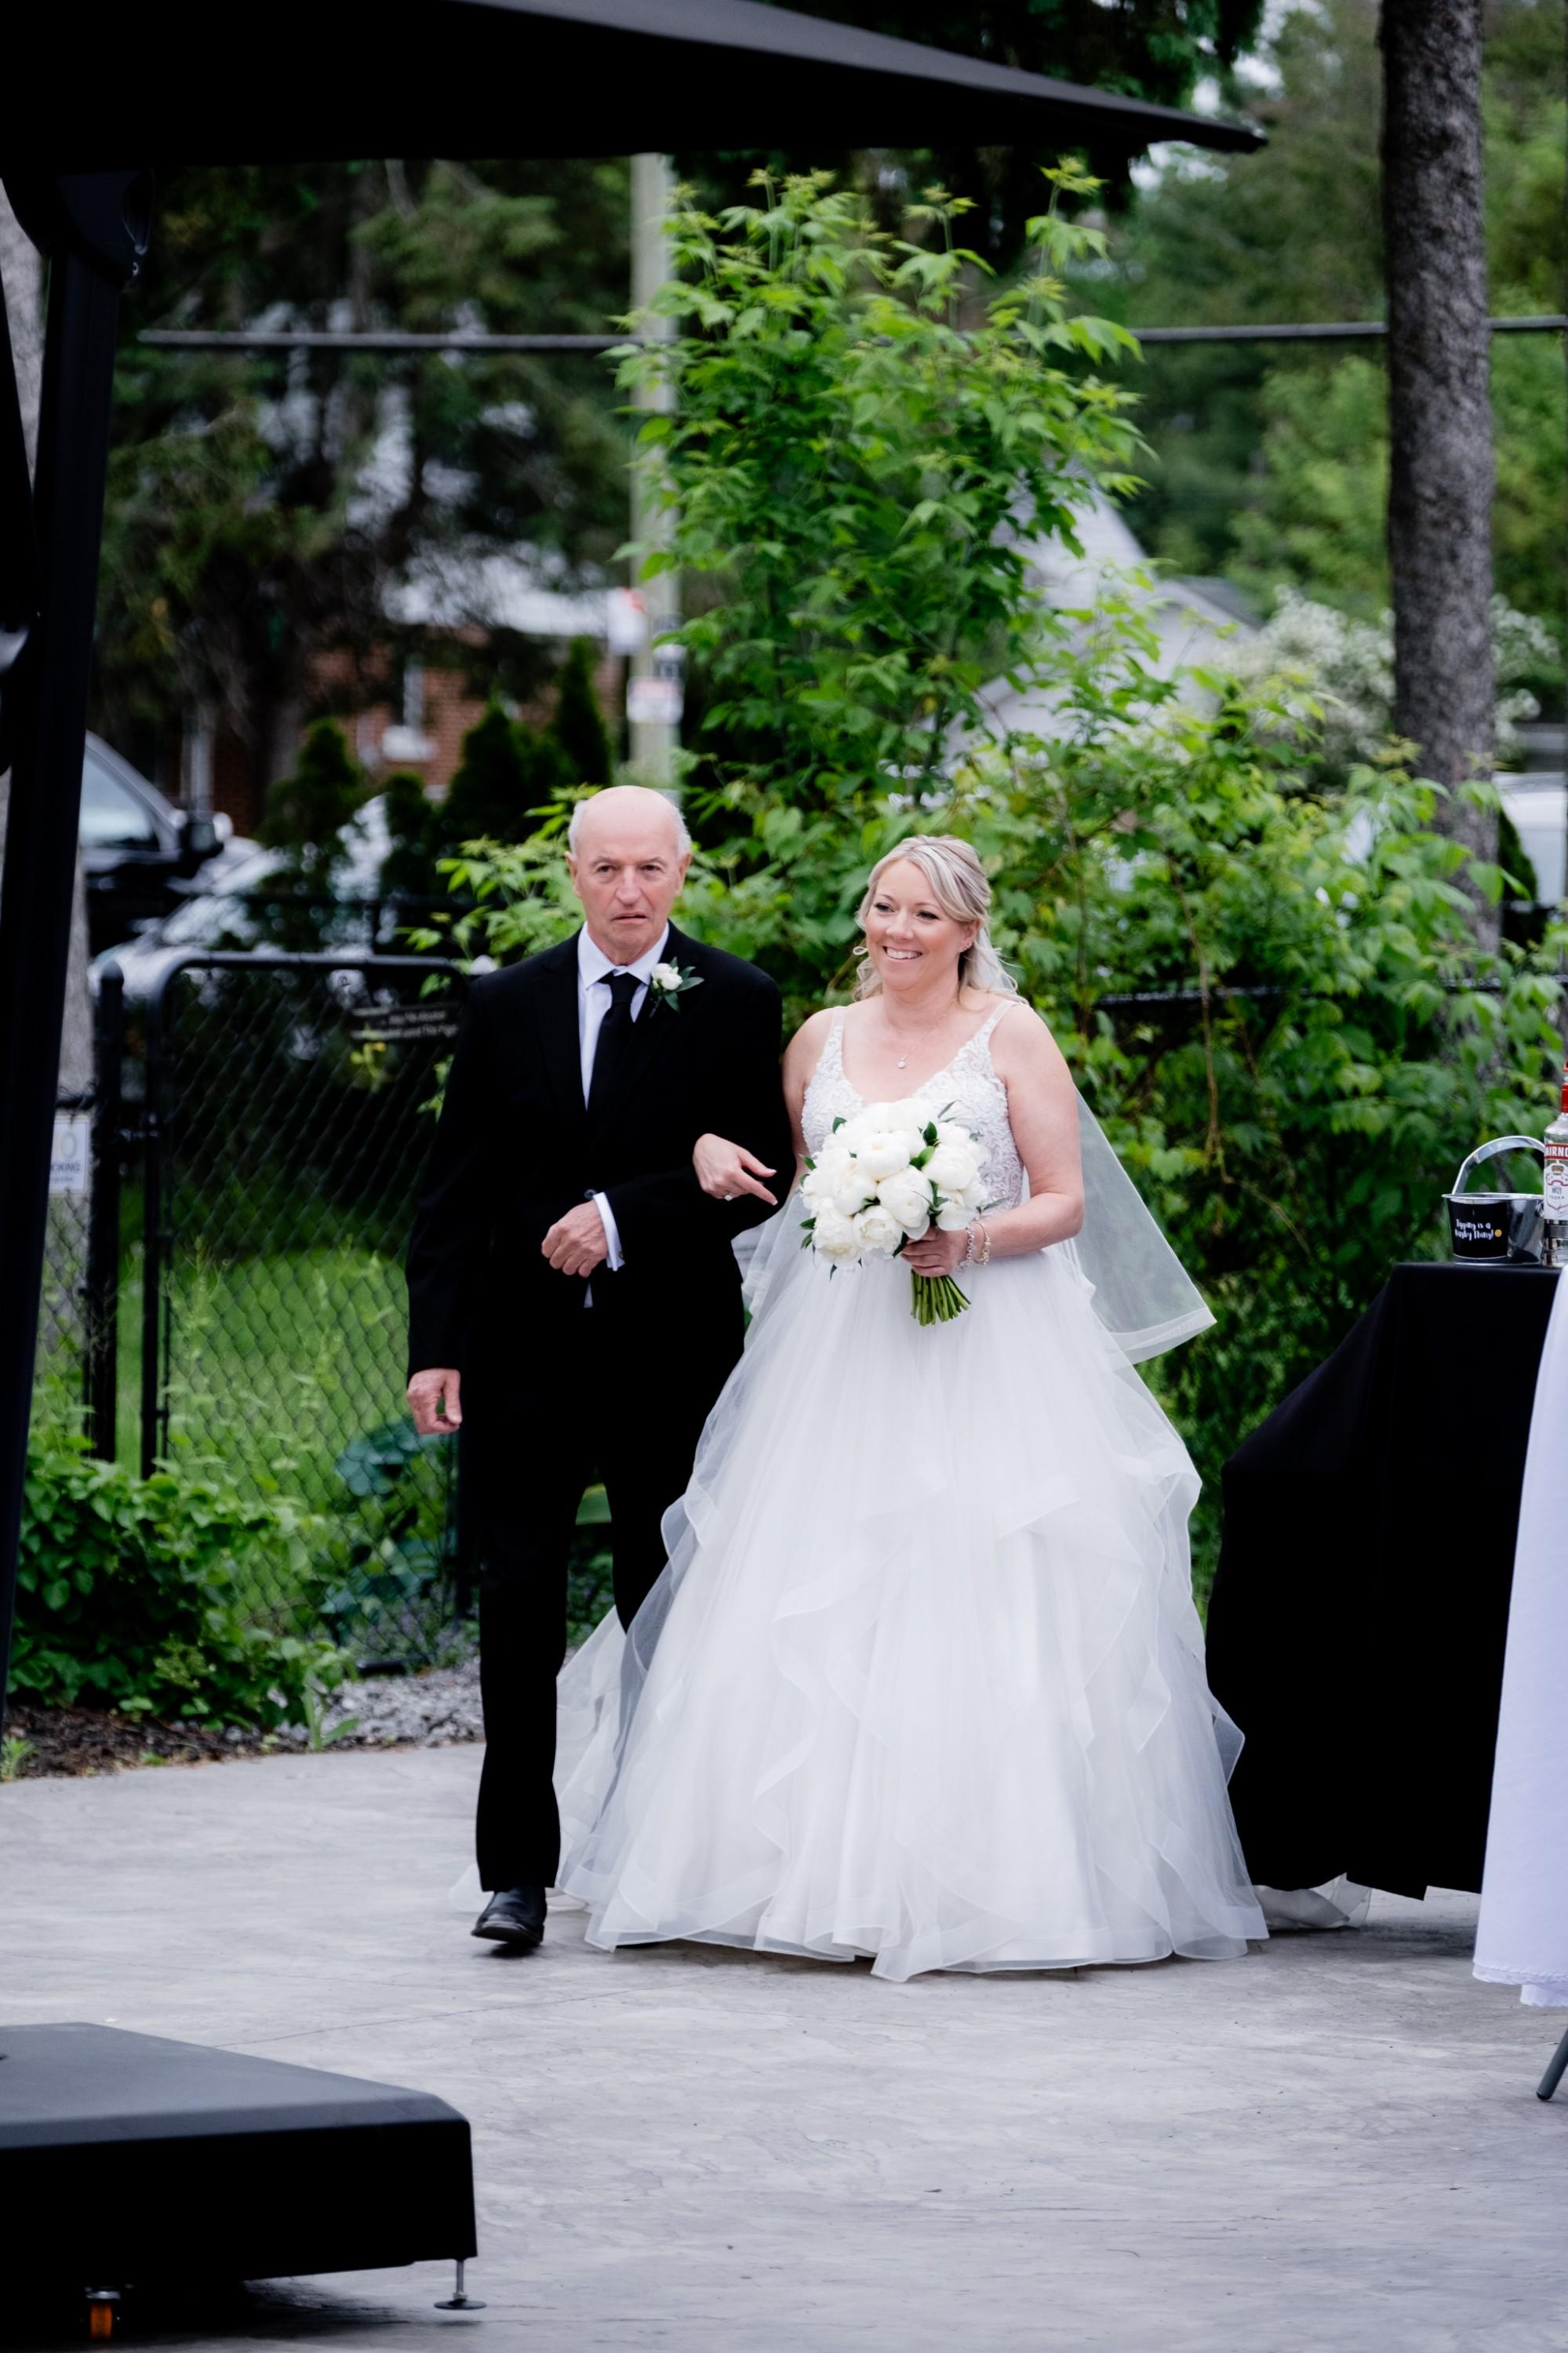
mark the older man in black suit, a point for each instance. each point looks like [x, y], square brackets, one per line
[574, 1298]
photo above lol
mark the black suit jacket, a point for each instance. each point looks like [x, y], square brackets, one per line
[515, 1149]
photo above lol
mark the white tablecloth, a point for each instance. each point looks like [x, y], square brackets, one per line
[1523, 1937]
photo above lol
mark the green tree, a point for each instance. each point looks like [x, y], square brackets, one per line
[506, 774]
[261, 507]
[577, 728]
[848, 465]
[408, 870]
[306, 812]
[1255, 445]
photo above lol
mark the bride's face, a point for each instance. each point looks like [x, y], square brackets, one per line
[913, 945]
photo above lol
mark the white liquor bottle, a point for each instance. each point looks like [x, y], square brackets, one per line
[1554, 1208]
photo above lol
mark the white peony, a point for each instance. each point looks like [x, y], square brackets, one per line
[910, 1113]
[953, 1217]
[883, 1151]
[829, 1171]
[952, 1168]
[833, 1236]
[880, 1233]
[851, 1195]
[948, 1132]
[666, 976]
[907, 1198]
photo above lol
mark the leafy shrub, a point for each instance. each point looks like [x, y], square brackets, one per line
[127, 1595]
[387, 1561]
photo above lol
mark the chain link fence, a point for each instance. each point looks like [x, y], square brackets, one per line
[62, 1376]
[290, 1104]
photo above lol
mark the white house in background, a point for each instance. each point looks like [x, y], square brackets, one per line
[1191, 620]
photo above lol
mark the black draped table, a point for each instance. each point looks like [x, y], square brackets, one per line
[1359, 1616]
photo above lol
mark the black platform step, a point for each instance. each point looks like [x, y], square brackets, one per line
[126, 2157]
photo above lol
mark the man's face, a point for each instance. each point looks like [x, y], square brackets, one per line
[628, 871]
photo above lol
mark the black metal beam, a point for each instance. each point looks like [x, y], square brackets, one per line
[95, 231]
[1334, 330]
[392, 341]
[312, 339]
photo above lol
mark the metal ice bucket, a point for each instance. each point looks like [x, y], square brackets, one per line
[1495, 1227]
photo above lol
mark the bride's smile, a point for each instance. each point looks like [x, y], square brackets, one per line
[914, 945]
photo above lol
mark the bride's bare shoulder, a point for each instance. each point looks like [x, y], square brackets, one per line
[813, 1034]
[1021, 1039]
[804, 1051]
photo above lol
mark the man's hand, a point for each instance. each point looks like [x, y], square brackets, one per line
[575, 1243]
[437, 1401]
[725, 1169]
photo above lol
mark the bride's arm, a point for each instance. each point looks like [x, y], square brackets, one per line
[724, 1168]
[1043, 1112]
[1043, 1109]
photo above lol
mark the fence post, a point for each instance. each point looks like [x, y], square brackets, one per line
[154, 1239]
[101, 1302]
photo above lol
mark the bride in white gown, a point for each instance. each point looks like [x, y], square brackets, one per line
[921, 1678]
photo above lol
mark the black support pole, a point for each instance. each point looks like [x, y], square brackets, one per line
[94, 231]
[104, 1218]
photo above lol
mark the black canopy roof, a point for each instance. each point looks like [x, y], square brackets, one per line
[316, 78]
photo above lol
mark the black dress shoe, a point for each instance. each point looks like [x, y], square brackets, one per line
[515, 1917]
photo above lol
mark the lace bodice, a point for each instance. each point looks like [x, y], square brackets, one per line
[967, 1091]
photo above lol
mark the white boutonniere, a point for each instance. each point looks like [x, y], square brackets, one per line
[668, 983]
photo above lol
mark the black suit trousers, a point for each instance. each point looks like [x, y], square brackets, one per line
[605, 1401]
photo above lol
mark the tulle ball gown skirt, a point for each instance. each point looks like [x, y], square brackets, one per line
[923, 1679]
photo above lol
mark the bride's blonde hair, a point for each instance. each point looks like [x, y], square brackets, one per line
[957, 882]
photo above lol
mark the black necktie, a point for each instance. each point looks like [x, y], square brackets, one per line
[614, 1037]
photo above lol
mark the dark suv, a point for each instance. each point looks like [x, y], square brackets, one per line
[136, 848]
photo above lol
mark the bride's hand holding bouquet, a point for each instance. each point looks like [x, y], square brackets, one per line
[895, 1182]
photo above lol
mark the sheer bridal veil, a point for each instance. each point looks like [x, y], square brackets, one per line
[1142, 1293]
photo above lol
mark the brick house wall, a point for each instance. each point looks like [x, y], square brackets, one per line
[423, 737]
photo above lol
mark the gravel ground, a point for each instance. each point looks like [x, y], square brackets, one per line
[436, 1710]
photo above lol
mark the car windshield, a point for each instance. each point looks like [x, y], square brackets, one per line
[112, 817]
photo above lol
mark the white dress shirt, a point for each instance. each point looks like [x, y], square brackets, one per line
[594, 970]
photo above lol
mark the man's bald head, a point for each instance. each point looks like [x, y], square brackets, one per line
[625, 806]
[628, 849]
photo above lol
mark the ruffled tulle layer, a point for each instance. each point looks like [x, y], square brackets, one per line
[923, 1678]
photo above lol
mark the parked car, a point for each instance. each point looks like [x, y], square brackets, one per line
[138, 849]
[255, 905]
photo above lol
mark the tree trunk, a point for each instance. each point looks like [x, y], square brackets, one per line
[1440, 417]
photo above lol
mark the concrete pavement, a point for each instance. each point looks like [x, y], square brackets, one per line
[1332, 2144]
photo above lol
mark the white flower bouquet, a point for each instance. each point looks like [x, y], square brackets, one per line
[881, 1180]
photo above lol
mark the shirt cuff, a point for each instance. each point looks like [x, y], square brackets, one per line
[612, 1234]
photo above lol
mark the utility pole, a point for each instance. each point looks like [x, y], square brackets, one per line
[653, 693]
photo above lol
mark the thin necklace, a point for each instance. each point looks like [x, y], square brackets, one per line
[902, 1062]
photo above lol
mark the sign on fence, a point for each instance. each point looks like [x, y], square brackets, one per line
[396, 1023]
[70, 1162]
